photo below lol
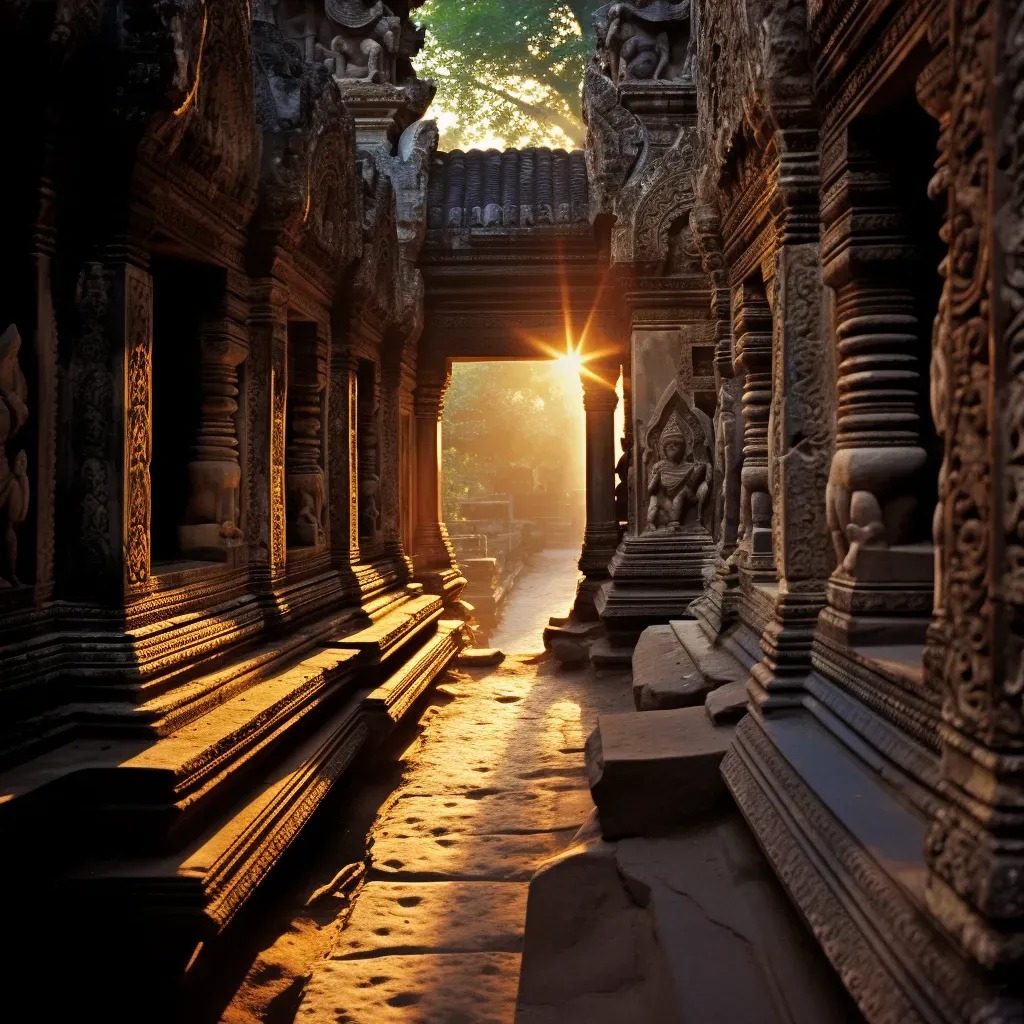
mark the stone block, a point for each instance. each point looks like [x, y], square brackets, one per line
[664, 675]
[727, 704]
[654, 771]
[470, 545]
[480, 657]
[494, 511]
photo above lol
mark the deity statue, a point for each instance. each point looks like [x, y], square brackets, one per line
[14, 483]
[675, 485]
[646, 42]
[366, 47]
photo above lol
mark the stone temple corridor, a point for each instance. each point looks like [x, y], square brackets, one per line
[492, 783]
[752, 752]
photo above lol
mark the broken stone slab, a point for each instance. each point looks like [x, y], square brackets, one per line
[480, 657]
[654, 771]
[664, 675]
[590, 952]
[727, 704]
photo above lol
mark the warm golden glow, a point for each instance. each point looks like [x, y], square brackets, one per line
[187, 102]
[570, 364]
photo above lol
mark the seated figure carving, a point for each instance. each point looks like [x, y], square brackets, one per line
[676, 486]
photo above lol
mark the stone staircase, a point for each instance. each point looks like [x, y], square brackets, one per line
[172, 811]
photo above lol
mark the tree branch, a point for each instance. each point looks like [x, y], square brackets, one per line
[543, 114]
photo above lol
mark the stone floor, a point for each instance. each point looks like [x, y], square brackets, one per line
[546, 588]
[493, 784]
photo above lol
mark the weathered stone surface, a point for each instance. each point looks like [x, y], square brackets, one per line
[463, 856]
[570, 653]
[651, 772]
[468, 988]
[689, 927]
[434, 917]
[716, 665]
[664, 676]
[727, 704]
[591, 952]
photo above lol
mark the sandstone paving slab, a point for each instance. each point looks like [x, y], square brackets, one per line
[486, 812]
[434, 917]
[468, 988]
[488, 858]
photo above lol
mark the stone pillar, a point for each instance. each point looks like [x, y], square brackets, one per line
[800, 446]
[601, 536]
[211, 529]
[343, 454]
[368, 437]
[304, 476]
[752, 329]
[266, 375]
[433, 556]
[975, 847]
[106, 499]
[881, 590]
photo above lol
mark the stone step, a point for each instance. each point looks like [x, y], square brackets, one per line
[185, 897]
[653, 771]
[153, 791]
[388, 703]
[604, 655]
[715, 664]
[392, 630]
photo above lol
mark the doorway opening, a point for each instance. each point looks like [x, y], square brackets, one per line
[513, 491]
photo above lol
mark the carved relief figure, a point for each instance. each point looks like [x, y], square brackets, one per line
[14, 484]
[645, 42]
[367, 44]
[675, 485]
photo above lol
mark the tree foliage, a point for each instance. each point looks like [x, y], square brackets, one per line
[508, 71]
[500, 417]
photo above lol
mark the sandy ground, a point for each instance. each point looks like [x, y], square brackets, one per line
[489, 784]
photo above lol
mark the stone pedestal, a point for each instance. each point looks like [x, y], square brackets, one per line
[654, 577]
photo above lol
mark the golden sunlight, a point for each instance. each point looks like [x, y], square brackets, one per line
[570, 364]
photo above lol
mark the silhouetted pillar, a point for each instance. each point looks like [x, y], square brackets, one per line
[433, 557]
[601, 537]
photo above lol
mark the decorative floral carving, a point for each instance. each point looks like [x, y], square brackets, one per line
[14, 482]
[138, 404]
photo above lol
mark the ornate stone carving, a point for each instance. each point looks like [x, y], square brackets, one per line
[138, 441]
[678, 468]
[304, 478]
[649, 40]
[14, 483]
[615, 138]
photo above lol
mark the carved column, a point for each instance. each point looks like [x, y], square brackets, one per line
[343, 475]
[975, 847]
[266, 371]
[433, 556]
[800, 445]
[211, 529]
[106, 497]
[307, 379]
[601, 536]
[720, 603]
[752, 329]
[879, 492]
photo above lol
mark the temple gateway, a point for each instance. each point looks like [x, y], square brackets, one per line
[237, 272]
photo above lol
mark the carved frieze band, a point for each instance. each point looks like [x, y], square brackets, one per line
[138, 442]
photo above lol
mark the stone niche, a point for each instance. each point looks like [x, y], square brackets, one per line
[660, 565]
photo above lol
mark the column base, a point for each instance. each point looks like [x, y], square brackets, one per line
[889, 601]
